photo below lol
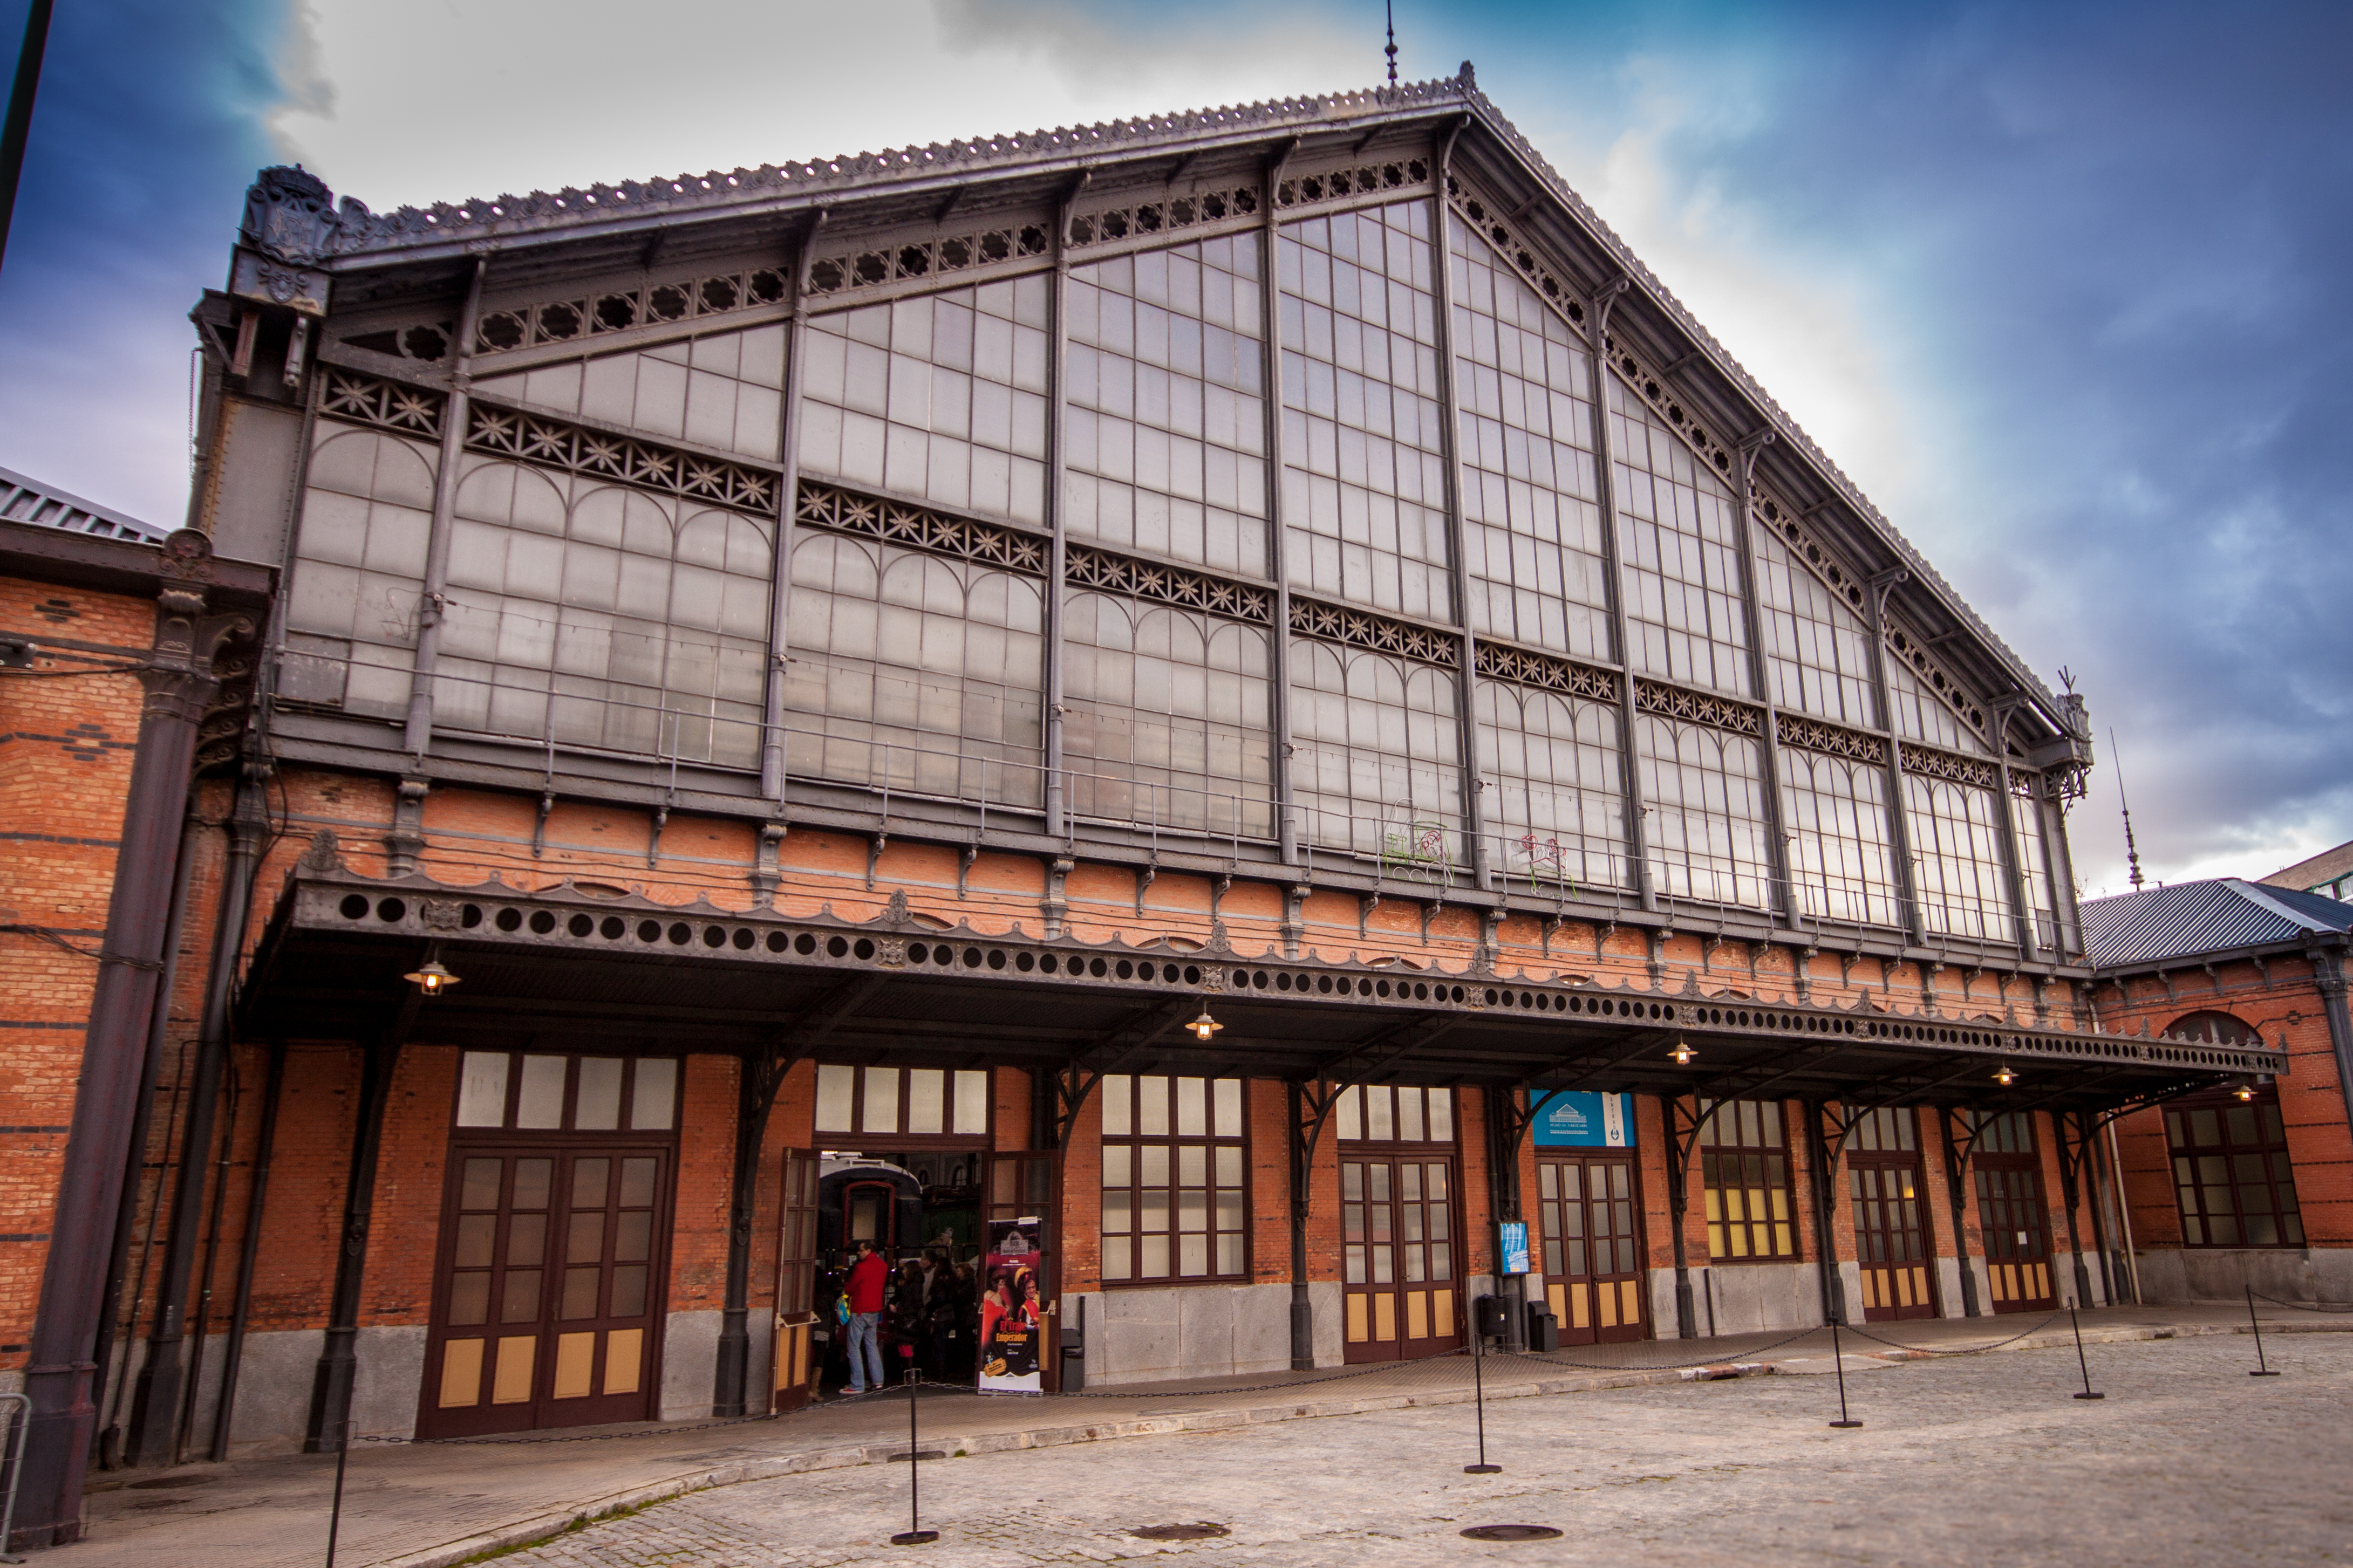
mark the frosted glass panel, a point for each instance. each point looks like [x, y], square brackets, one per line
[540, 1103]
[654, 1099]
[482, 1089]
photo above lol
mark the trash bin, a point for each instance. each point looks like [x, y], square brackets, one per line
[1544, 1328]
[1491, 1316]
[1073, 1362]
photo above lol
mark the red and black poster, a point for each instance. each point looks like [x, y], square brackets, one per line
[1012, 1307]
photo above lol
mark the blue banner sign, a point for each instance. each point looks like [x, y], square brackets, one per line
[1514, 1246]
[1583, 1119]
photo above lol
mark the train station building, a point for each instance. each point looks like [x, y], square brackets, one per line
[1245, 685]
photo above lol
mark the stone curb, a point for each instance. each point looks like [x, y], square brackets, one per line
[543, 1527]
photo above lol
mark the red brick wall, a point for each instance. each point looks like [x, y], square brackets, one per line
[706, 1174]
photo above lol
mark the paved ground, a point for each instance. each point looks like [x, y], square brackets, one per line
[1976, 1460]
[434, 1505]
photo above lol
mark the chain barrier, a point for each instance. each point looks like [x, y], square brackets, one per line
[1970, 1350]
[2331, 1307]
[1630, 1361]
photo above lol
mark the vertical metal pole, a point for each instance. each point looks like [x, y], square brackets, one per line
[914, 1534]
[2085, 1365]
[1768, 743]
[335, 1514]
[15, 1428]
[2263, 1368]
[1899, 823]
[1838, 1365]
[1449, 437]
[1278, 546]
[18, 130]
[1479, 1395]
[1678, 1204]
[2124, 1213]
[1605, 477]
[418, 732]
[249, 1247]
[789, 485]
[1058, 349]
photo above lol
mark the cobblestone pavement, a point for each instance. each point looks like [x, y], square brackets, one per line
[1966, 1461]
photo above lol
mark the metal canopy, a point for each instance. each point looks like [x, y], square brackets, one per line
[568, 967]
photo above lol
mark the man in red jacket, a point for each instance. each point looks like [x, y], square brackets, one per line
[869, 1276]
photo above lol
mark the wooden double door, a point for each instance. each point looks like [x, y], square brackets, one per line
[1586, 1209]
[549, 1289]
[2016, 1228]
[1891, 1236]
[1400, 1256]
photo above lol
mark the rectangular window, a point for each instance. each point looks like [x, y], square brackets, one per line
[902, 1103]
[1175, 1189]
[1559, 800]
[1957, 848]
[546, 1093]
[2231, 1173]
[1744, 1170]
[1380, 1114]
[1840, 859]
[1678, 551]
[1705, 787]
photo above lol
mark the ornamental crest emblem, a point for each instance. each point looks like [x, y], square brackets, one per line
[290, 217]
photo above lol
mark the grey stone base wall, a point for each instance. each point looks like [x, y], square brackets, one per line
[689, 1363]
[1756, 1298]
[2184, 1275]
[1195, 1330]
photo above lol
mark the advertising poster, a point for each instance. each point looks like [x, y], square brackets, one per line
[1582, 1120]
[1512, 1247]
[1012, 1307]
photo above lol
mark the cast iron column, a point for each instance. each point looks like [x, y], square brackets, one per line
[1504, 1205]
[177, 682]
[151, 1438]
[1678, 1155]
[330, 1383]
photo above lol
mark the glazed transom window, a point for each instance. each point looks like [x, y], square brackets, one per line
[528, 1092]
[2232, 1174]
[915, 1102]
[1379, 1113]
[1174, 1188]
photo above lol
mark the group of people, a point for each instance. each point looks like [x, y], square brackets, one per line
[924, 1316]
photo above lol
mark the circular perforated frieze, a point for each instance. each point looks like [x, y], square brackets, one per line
[1203, 1531]
[1512, 1532]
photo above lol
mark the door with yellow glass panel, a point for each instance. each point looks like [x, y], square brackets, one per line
[1588, 1207]
[1401, 1259]
[549, 1284]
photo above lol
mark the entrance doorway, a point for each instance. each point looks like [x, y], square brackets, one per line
[1400, 1281]
[2011, 1213]
[1891, 1239]
[1593, 1279]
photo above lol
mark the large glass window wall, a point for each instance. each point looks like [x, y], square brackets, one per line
[940, 399]
[1817, 650]
[914, 671]
[2034, 863]
[722, 390]
[1364, 479]
[1920, 716]
[1957, 857]
[1554, 767]
[1842, 859]
[585, 614]
[1706, 826]
[1531, 540]
[1169, 719]
[359, 571]
[1679, 554]
[1165, 445]
[1376, 755]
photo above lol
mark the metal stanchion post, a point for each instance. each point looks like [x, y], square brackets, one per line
[2263, 1368]
[2080, 1361]
[1838, 1363]
[335, 1514]
[1478, 1397]
[914, 1534]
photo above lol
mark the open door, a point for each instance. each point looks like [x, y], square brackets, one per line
[1021, 1185]
[795, 1361]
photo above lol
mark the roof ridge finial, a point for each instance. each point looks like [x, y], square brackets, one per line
[1391, 50]
[2131, 850]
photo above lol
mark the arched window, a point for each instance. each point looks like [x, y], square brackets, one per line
[2232, 1174]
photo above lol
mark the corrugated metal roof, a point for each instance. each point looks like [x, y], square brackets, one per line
[29, 500]
[2188, 919]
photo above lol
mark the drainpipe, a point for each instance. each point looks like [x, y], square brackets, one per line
[161, 1386]
[233, 1360]
[2329, 977]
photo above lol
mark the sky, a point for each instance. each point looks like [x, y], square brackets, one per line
[2061, 285]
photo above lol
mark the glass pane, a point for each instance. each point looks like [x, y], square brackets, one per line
[1230, 1210]
[1192, 1167]
[1155, 1249]
[521, 1304]
[469, 1299]
[1409, 1105]
[540, 1103]
[1441, 1117]
[482, 1091]
[654, 1099]
[1151, 1105]
[927, 1094]
[629, 1291]
[477, 1238]
[588, 1178]
[1230, 1167]
[879, 1113]
[1192, 1107]
[1118, 1211]
[481, 1190]
[834, 1087]
[1154, 1159]
[1118, 1094]
[1351, 1111]
[598, 1106]
[1117, 1160]
[1230, 1253]
[638, 1182]
[1117, 1255]
[972, 1102]
[526, 1239]
[531, 1180]
[580, 1291]
[633, 1236]
[1381, 1119]
[1230, 1111]
[585, 1242]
